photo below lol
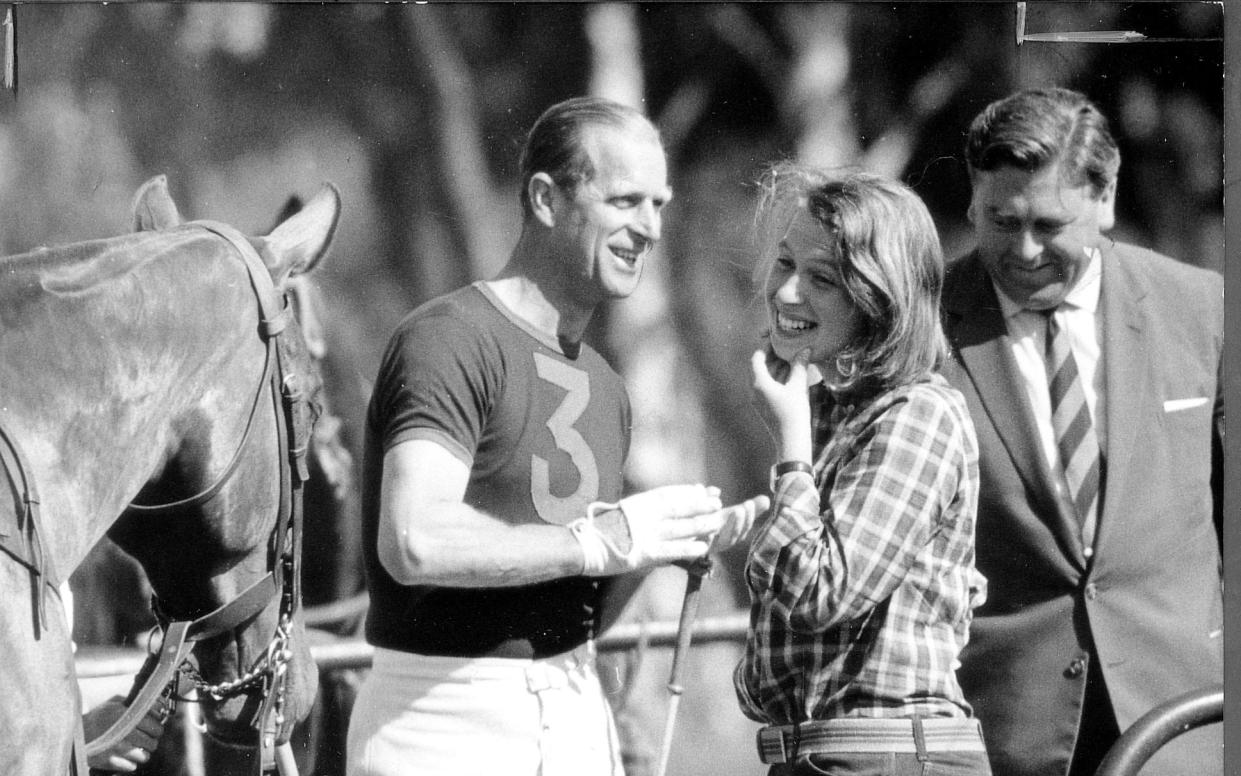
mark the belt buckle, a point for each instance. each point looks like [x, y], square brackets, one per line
[771, 745]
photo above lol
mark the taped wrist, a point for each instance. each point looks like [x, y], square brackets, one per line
[600, 555]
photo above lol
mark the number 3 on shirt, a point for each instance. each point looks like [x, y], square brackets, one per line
[562, 509]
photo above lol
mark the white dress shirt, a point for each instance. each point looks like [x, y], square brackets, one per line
[1027, 332]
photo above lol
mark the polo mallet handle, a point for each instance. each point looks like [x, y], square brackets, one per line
[696, 572]
[286, 763]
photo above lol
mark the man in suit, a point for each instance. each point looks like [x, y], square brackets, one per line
[1097, 520]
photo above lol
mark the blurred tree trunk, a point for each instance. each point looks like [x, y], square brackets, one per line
[457, 150]
[425, 164]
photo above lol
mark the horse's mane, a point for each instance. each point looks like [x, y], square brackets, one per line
[82, 267]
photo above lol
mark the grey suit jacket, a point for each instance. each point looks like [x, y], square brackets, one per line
[1148, 606]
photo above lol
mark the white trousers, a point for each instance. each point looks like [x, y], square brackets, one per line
[417, 715]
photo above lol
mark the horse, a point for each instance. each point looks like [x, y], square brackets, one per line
[154, 387]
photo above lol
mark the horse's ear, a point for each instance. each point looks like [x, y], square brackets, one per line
[297, 244]
[291, 206]
[153, 207]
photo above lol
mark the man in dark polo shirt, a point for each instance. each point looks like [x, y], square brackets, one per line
[493, 512]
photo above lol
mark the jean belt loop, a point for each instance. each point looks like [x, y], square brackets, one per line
[539, 678]
[583, 656]
[920, 739]
[795, 743]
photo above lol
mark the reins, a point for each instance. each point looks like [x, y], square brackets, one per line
[159, 678]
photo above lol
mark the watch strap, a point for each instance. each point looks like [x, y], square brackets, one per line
[788, 467]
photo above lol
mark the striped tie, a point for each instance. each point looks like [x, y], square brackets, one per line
[1075, 434]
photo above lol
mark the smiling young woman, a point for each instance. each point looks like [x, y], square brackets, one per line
[861, 579]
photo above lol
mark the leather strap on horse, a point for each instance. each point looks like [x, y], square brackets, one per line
[26, 546]
[174, 650]
[284, 579]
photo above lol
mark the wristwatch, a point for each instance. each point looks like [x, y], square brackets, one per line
[787, 467]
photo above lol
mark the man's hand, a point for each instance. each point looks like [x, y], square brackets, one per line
[135, 749]
[655, 527]
[669, 524]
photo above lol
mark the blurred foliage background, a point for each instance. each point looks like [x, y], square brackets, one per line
[417, 112]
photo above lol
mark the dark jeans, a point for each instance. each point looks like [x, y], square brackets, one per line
[886, 764]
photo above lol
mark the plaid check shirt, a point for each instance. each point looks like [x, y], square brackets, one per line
[862, 589]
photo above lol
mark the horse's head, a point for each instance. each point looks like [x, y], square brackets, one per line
[222, 519]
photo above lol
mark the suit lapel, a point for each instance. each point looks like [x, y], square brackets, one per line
[976, 329]
[1127, 384]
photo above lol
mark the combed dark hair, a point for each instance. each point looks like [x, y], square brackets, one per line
[891, 266]
[1036, 128]
[554, 143]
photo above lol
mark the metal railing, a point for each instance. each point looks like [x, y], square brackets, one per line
[333, 652]
[340, 653]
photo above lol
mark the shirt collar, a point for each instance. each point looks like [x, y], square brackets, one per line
[1084, 296]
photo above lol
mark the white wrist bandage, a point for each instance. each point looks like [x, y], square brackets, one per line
[651, 518]
[600, 556]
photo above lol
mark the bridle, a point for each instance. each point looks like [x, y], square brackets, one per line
[161, 675]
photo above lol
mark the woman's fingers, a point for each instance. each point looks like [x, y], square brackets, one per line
[798, 373]
[758, 366]
[738, 520]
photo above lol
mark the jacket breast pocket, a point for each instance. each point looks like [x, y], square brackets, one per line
[1183, 446]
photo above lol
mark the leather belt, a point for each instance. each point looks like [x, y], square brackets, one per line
[783, 743]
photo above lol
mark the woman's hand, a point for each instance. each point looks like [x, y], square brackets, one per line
[782, 399]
